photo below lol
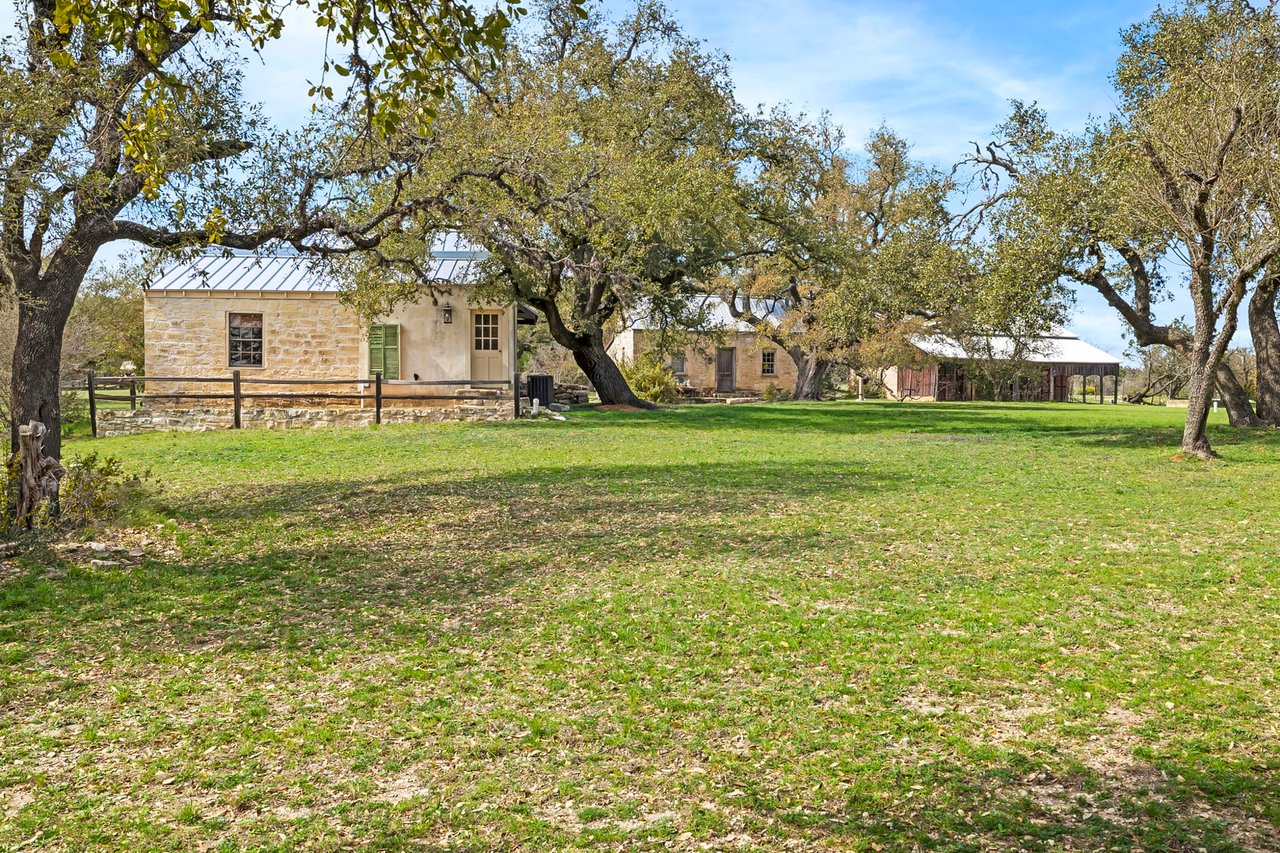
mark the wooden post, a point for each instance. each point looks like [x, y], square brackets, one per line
[133, 395]
[515, 393]
[377, 396]
[1115, 389]
[1102, 381]
[93, 405]
[235, 396]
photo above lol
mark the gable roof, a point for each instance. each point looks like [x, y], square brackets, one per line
[1059, 346]
[715, 314]
[290, 272]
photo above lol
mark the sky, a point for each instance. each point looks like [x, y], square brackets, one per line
[941, 73]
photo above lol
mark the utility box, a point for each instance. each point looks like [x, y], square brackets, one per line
[542, 387]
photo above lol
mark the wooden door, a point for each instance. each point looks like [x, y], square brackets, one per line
[1060, 389]
[486, 346]
[726, 369]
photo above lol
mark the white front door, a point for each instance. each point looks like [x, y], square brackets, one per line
[486, 346]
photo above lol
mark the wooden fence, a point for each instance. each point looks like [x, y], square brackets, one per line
[126, 389]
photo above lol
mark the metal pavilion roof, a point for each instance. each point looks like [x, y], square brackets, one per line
[290, 272]
[1060, 346]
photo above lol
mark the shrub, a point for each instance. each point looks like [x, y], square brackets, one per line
[75, 409]
[775, 393]
[94, 489]
[651, 379]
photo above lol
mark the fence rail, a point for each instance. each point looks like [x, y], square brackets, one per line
[97, 384]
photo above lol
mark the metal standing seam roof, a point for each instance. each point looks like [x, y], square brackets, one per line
[1062, 346]
[716, 315]
[250, 272]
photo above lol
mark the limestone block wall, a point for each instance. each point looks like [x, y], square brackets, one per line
[699, 359]
[305, 336]
[207, 418]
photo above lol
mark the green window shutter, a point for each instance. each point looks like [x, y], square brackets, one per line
[375, 350]
[384, 351]
[391, 352]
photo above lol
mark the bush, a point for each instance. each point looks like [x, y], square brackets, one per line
[94, 489]
[651, 379]
[775, 393]
[75, 409]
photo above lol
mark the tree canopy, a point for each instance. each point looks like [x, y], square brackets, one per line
[596, 164]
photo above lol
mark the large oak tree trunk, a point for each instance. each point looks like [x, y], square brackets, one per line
[811, 374]
[43, 309]
[1239, 409]
[1266, 343]
[591, 357]
[1195, 438]
[604, 374]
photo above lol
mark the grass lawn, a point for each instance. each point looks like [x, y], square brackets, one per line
[791, 627]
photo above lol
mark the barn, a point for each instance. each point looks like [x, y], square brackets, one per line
[945, 369]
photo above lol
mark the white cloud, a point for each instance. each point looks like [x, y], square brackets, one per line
[873, 63]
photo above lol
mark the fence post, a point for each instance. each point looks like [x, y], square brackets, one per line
[515, 393]
[133, 395]
[235, 394]
[377, 396]
[93, 405]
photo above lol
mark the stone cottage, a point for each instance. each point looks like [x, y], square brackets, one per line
[278, 317]
[729, 357]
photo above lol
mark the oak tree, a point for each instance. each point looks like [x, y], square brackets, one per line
[595, 165]
[1170, 192]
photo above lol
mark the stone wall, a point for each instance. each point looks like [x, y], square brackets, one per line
[699, 359]
[308, 335]
[305, 336]
[204, 419]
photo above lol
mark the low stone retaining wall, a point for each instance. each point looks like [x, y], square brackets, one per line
[113, 422]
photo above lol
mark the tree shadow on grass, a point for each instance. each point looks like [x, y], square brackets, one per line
[1041, 803]
[1098, 426]
[845, 418]
[334, 559]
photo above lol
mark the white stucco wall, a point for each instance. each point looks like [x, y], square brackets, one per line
[437, 350]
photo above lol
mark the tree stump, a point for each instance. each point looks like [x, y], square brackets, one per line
[38, 474]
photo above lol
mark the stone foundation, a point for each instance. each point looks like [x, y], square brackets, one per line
[124, 422]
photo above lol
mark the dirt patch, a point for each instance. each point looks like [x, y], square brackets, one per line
[13, 801]
[406, 786]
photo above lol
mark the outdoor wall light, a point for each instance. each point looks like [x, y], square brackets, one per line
[447, 311]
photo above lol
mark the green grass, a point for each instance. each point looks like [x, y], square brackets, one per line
[791, 627]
